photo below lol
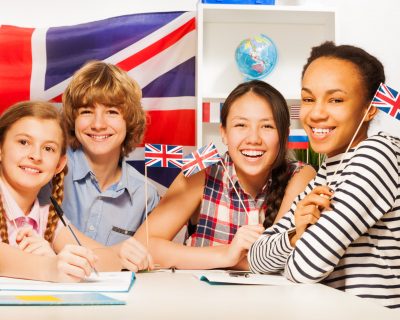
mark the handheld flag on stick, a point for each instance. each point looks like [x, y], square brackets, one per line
[159, 155]
[162, 155]
[385, 99]
[388, 100]
[200, 159]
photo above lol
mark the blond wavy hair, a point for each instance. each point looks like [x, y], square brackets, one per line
[102, 83]
[45, 111]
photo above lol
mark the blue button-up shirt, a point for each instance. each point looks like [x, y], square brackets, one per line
[113, 215]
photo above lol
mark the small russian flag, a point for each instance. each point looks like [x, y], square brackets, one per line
[298, 139]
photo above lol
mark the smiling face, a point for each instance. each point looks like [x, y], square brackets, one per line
[252, 138]
[333, 105]
[31, 154]
[101, 130]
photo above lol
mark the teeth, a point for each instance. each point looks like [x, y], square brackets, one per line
[321, 131]
[252, 153]
[99, 138]
[30, 170]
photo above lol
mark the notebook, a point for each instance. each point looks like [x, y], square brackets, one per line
[66, 299]
[242, 277]
[104, 282]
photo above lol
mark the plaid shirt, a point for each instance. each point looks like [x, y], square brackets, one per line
[221, 213]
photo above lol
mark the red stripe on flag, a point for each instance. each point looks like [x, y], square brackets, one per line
[394, 103]
[158, 46]
[15, 65]
[297, 145]
[206, 112]
[173, 127]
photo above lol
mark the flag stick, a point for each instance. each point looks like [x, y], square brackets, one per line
[145, 194]
[234, 188]
[351, 142]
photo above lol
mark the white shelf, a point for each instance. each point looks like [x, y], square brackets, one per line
[294, 29]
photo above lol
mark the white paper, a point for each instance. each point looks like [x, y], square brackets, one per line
[104, 282]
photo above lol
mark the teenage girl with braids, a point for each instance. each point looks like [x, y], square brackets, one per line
[254, 126]
[34, 243]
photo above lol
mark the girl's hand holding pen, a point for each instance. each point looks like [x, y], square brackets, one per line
[74, 263]
[29, 241]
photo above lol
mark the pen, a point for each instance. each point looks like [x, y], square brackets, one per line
[60, 213]
[239, 274]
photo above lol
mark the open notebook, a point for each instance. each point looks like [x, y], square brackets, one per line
[104, 282]
[242, 277]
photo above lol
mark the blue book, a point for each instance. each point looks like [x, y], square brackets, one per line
[59, 299]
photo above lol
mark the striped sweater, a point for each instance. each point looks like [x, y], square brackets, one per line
[356, 246]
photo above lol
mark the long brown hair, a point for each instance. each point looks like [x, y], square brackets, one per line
[39, 110]
[279, 174]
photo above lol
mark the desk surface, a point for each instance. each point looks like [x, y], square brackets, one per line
[166, 295]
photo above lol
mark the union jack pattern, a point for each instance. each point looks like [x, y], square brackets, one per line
[162, 155]
[388, 100]
[200, 159]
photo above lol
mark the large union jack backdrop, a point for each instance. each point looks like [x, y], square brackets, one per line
[163, 156]
[200, 159]
[388, 100]
[157, 50]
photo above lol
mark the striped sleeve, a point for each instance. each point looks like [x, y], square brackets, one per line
[271, 251]
[366, 190]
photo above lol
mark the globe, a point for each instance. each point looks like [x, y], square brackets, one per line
[256, 57]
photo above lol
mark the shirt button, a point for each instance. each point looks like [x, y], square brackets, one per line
[91, 228]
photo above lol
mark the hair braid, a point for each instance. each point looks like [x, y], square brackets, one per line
[3, 224]
[276, 192]
[58, 194]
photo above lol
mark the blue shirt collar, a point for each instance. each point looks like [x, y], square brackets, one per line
[79, 164]
[81, 170]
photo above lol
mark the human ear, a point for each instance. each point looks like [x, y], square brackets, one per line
[222, 132]
[61, 164]
[371, 113]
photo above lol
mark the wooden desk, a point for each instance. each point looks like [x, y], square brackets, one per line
[166, 295]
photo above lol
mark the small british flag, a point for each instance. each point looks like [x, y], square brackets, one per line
[200, 159]
[387, 100]
[162, 155]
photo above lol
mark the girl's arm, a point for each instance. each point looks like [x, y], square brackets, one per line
[69, 266]
[367, 189]
[181, 201]
[296, 185]
[108, 259]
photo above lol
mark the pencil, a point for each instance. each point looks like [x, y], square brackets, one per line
[60, 213]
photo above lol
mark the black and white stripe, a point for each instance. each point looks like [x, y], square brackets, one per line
[356, 246]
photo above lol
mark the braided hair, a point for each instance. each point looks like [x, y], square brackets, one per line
[40, 110]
